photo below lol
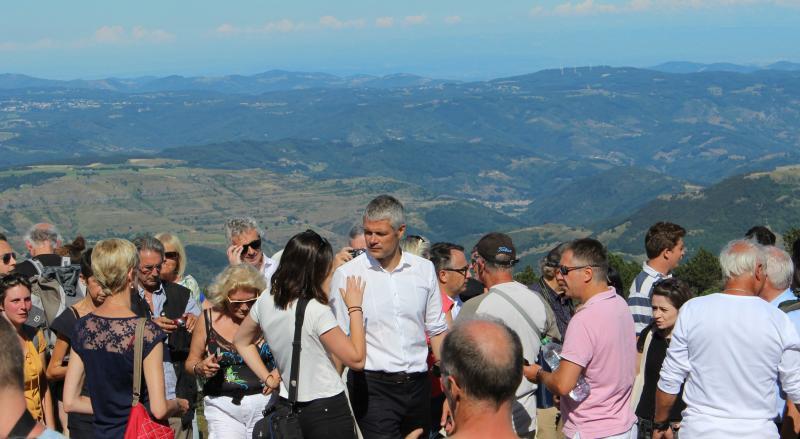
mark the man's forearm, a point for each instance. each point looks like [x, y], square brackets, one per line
[664, 403]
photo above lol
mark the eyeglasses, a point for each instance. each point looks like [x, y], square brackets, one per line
[7, 257]
[172, 255]
[149, 268]
[462, 271]
[564, 270]
[255, 245]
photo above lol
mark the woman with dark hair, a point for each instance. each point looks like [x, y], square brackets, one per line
[796, 261]
[79, 425]
[15, 304]
[667, 298]
[304, 273]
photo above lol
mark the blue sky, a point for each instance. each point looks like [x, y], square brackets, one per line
[443, 38]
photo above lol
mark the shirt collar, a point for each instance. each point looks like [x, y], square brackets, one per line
[652, 272]
[160, 290]
[370, 262]
[610, 293]
[786, 295]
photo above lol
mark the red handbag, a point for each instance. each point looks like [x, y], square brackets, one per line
[140, 424]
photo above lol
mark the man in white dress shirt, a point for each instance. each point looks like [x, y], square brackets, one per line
[245, 239]
[730, 348]
[391, 396]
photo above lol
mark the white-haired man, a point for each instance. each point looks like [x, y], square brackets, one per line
[245, 239]
[42, 240]
[730, 349]
[402, 304]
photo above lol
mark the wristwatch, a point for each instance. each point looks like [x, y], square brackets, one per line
[661, 426]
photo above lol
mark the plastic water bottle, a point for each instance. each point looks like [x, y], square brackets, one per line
[551, 352]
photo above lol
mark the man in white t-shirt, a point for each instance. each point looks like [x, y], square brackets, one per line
[402, 304]
[507, 300]
[730, 348]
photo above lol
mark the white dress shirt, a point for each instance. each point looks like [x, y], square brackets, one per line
[731, 350]
[400, 308]
[268, 269]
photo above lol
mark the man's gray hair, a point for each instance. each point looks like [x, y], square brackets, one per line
[740, 257]
[780, 269]
[149, 242]
[239, 224]
[41, 233]
[385, 207]
[356, 231]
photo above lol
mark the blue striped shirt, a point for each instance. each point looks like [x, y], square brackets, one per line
[639, 296]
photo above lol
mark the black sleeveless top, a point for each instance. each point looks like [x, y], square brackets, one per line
[234, 378]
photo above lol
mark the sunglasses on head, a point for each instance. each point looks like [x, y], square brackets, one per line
[7, 257]
[172, 255]
[255, 245]
[564, 270]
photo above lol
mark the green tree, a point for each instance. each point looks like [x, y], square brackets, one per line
[527, 276]
[627, 270]
[702, 272]
[789, 237]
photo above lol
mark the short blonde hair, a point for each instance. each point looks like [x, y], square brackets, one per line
[112, 260]
[168, 239]
[241, 276]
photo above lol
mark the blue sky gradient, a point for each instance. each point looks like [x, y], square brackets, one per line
[444, 38]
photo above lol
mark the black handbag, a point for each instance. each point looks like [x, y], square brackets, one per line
[280, 420]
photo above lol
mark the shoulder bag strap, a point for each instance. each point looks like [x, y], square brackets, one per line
[37, 265]
[298, 328]
[137, 361]
[521, 312]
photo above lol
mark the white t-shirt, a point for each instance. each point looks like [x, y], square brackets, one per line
[318, 377]
[731, 350]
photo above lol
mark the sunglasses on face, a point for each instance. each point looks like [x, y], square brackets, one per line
[172, 255]
[241, 302]
[7, 257]
[462, 271]
[564, 270]
[255, 245]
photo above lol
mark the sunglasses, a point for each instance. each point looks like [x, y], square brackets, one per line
[7, 257]
[241, 302]
[172, 255]
[462, 271]
[149, 268]
[255, 245]
[564, 270]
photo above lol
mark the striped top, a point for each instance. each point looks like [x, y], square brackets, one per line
[639, 296]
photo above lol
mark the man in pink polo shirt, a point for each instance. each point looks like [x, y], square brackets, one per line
[600, 344]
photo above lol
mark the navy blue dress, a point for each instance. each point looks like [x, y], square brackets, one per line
[105, 346]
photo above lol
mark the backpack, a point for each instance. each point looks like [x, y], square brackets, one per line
[790, 305]
[53, 289]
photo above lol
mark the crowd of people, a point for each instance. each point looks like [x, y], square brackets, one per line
[393, 336]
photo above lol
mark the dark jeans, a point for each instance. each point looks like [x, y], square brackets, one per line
[327, 418]
[389, 406]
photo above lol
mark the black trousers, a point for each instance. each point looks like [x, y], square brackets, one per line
[389, 406]
[326, 418]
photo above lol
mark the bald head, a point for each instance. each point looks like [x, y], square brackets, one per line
[485, 358]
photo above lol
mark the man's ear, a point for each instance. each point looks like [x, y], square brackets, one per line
[401, 231]
[29, 246]
[442, 276]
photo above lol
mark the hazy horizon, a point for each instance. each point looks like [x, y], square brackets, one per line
[446, 39]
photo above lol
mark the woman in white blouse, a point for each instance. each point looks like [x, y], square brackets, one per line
[305, 272]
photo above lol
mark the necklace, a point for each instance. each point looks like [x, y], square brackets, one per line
[749, 293]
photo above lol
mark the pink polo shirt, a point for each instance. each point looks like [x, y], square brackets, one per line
[601, 339]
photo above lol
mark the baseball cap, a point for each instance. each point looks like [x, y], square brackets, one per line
[497, 248]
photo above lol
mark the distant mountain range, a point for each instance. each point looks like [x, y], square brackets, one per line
[691, 67]
[273, 80]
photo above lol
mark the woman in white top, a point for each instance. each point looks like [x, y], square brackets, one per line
[305, 271]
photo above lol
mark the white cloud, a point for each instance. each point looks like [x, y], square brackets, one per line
[140, 33]
[280, 26]
[453, 19]
[413, 20]
[109, 34]
[384, 22]
[332, 22]
[591, 7]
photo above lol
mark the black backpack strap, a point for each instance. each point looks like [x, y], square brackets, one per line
[299, 316]
[789, 305]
